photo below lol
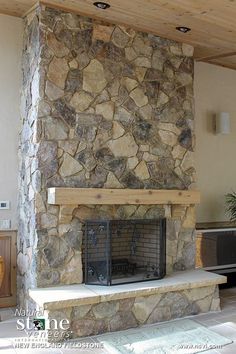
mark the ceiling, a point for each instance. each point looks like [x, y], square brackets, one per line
[212, 22]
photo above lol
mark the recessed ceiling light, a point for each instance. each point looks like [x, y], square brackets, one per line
[101, 5]
[183, 29]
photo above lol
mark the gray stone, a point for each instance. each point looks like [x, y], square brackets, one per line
[122, 321]
[87, 159]
[65, 112]
[55, 252]
[120, 38]
[55, 129]
[105, 309]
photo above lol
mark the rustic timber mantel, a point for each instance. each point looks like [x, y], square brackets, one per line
[79, 196]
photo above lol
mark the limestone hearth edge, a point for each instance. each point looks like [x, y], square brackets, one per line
[59, 297]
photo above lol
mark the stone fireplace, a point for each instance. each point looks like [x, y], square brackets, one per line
[103, 106]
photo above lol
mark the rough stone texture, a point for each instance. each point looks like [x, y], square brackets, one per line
[117, 315]
[102, 106]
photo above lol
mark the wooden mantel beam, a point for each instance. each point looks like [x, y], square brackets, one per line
[79, 196]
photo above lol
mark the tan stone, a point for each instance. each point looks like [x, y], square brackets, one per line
[141, 171]
[48, 221]
[185, 79]
[142, 46]
[69, 146]
[140, 73]
[57, 72]
[120, 37]
[162, 99]
[55, 129]
[94, 77]
[170, 127]
[102, 32]
[187, 50]
[124, 146]
[105, 309]
[70, 166]
[53, 92]
[130, 54]
[117, 130]
[150, 157]
[39, 204]
[132, 162]
[167, 137]
[178, 211]
[143, 61]
[83, 212]
[139, 97]
[106, 109]
[176, 50]
[190, 218]
[81, 101]
[73, 64]
[112, 181]
[58, 48]
[63, 228]
[72, 271]
[188, 161]
[178, 152]
[65, 214]
[130, 84]
[143, 307]
[144, 148]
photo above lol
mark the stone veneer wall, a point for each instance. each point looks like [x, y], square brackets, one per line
[115, 315]
[102, 106]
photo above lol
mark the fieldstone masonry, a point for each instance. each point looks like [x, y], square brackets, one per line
[102, 106]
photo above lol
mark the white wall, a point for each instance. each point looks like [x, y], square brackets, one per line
[11, 33]
[215, 91]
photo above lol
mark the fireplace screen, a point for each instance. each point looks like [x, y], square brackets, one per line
[124, 251]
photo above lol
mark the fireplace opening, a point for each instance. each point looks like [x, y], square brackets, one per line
[124, 251]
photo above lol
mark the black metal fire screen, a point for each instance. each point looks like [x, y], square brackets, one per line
[124, 251]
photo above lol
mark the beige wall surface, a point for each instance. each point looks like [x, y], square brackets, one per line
[11, 32]
[215, 91]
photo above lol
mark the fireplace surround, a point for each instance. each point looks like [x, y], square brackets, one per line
[124, 251]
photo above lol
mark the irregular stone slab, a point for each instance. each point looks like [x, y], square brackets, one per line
[112, 181]
[55, 129]
[93, 77]
[120, 38]
[57, 72]
[58, 48]
[168, 137]
[130, 84]
[141, 171]
[106, 109]
[143, 307]
[117, 130]
[81, 101]
[139, 97]
[124, 146]
[53, 92]
[102, 33]
[70, 166]
[55, 252]
[105, 309]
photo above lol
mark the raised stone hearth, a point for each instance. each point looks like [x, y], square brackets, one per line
[98, 309]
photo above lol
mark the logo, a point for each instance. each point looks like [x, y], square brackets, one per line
[39, 324]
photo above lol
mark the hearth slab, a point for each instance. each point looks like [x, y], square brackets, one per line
[66, 296]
